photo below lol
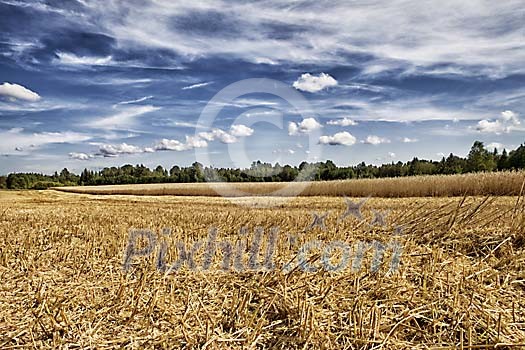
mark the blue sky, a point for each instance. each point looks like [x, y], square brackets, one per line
[89, 84]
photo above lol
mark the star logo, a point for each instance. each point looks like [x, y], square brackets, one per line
[379, 218]
[318, 221]
[353, 209]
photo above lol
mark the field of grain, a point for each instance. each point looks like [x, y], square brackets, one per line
[460, 282]
[499, 184]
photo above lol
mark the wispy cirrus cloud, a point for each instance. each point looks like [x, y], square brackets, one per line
[74, 60]
[124, 118]
[138, 100]
[475, 38]
[19, 140]
[196, 86]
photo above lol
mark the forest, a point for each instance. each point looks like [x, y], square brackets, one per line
[479, 159]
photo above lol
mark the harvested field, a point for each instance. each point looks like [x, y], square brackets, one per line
[460, 282]
[498, 184]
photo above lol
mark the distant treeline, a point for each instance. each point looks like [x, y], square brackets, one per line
[478, 159]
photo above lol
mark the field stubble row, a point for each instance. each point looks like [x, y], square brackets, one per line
[461, 279]
[508, 183]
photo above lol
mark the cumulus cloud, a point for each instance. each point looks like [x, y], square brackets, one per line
[241, 130]
[499, 146]
[341, 138]
[342, 122]
[195, 142]
[107, 150]
[18, 92]
[391, 155]
[170, 145]
[313, 83]
[305, 127]
[511, 117]
[488, 126]
[80, 156]
[218, 134]
[375, 140]
[176, 145]
[507, 122]
[409, 140]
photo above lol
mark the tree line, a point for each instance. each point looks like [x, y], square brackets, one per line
[478, 159]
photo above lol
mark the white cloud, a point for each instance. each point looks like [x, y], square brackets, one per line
[115, 81]
[170, 145]
[507, 122]
[469, 38]
[195, 86]
[241, 130]
[73, 60]
[312, 83]
[293, 129]
[195, 142]
[175, 145]
[511, 117]
[80, 156]
[499, 146]
[305, 127]
[16, 138]
[142, 99]
[123, 119]
[218, 134]
[342, 122]
[341, 138]
[18, 92]
[488, 126]
[375, 140]
[286, 151]
[391, 155]
[107, 150]
[409, 140]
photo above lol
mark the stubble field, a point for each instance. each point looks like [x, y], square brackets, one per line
[460, 282]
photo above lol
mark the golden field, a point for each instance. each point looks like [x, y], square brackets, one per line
[505, 183]
[461, 281]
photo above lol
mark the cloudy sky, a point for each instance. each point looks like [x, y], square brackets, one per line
[94, 83]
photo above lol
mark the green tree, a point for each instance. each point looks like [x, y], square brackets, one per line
[479, 159]
[517, 158]
[503, 160]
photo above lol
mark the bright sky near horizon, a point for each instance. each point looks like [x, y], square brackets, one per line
[95, 83]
